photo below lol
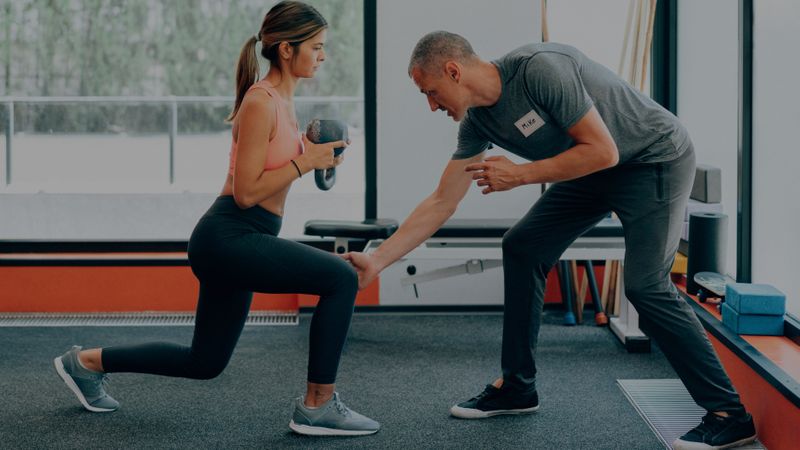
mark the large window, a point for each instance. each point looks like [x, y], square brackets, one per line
[120, 97]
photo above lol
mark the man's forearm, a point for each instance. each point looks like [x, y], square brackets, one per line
[574, 163]
[426, 218]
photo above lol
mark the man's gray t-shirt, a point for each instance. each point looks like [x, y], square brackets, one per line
[546, 89]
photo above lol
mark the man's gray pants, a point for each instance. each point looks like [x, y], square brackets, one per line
[650, 200]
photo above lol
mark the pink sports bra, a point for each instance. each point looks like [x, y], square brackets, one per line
[286, 144]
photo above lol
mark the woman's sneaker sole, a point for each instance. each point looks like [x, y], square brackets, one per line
[74, 387]
[468, 413]
[321, 431]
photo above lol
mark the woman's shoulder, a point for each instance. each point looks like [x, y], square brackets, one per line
[258, 106]
[264, 87]
[262, 91]
[260, 97]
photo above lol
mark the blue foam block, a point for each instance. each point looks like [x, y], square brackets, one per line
[762, 299]
[751, 323]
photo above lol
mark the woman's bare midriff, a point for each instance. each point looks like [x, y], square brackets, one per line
[273, 204]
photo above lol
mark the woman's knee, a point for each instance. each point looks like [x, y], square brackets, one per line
[341, 277]
[349, 278]
[207, 368]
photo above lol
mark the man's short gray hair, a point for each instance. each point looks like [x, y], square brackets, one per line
[437, 46]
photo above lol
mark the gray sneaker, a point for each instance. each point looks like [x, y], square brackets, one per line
[331, 419]
[87, 385]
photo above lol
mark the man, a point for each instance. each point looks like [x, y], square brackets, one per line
[607, 147]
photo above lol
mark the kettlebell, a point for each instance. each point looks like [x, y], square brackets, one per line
[321, 131]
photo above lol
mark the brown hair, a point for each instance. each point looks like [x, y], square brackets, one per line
[288, 21]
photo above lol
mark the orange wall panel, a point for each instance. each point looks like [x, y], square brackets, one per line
[776, 418]
[110, 289]
[125, 289]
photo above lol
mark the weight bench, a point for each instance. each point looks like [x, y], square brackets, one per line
[343, 230]
[473, 247]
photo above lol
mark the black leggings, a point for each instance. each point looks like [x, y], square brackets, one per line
[235, 252]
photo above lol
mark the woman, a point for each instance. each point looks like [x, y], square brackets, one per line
[234, 249]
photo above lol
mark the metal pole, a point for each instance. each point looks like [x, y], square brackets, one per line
[370, 108]
[9, 138]
[173, 132]
[744, 212]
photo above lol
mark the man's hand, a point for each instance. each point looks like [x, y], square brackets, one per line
[497, 173]
[366, 267]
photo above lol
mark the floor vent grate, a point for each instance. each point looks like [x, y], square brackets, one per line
[667, 408]
[135, 319]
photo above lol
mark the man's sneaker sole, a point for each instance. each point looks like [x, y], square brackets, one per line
[688, 445]
[309, 430]
[469, 413]
[74, 387]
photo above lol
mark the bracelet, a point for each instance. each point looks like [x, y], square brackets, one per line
[299, 173]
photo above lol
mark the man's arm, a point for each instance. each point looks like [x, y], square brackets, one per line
[594, 150]
[426, 218]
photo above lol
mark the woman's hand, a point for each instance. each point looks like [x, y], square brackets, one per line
[320, 156]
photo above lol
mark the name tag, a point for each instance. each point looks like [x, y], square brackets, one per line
[529, 123]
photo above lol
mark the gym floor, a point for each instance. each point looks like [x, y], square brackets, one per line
[404, 370]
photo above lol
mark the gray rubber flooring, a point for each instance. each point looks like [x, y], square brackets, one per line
[403, 370]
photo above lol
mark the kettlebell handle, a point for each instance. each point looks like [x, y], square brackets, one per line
[321, 131]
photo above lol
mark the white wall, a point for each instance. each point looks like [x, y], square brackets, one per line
[596, 28]
[414, 144]
[776, 156]
[708, 94]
